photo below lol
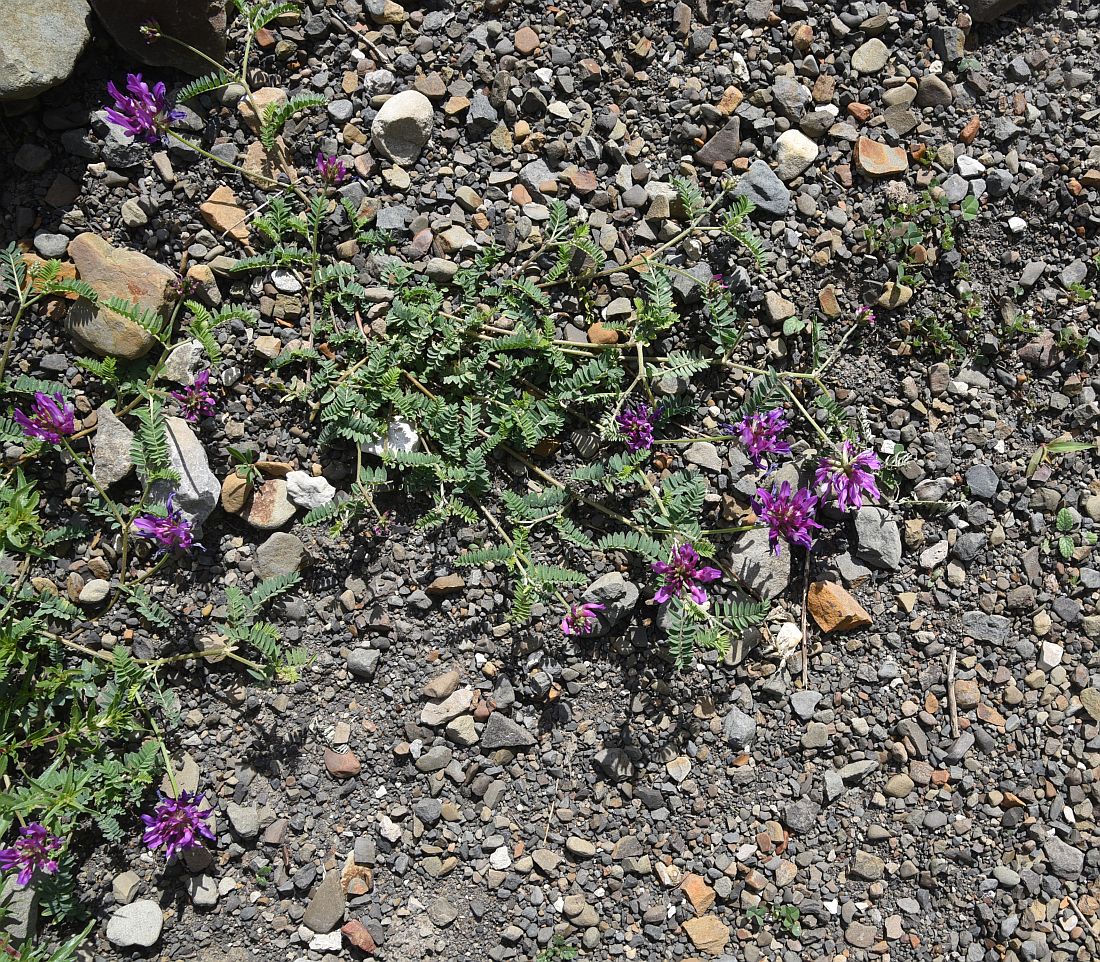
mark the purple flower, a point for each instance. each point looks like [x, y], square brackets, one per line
[30, 853]
[144, 113]
[50, 420]
[150, 31]
[195, 399]
[864, 315]
[787, 516]
[331, 169]
[682, 572]
[636, 422]
[578, 620]
[849, 476]
[719, 280]
[173, 532]
[760, 435]
[177, 823]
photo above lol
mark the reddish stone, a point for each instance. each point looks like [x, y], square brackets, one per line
[583, 181]
[598, 334]
[834, 609]
[880, 160]
[341, 764]
[970, 131]
[359, 936]
[527, 41]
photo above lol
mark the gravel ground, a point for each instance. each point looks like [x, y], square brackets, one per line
[585, 790]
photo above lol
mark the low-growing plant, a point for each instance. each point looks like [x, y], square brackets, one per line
[787, 917]
[1066, 526]
[557, 951]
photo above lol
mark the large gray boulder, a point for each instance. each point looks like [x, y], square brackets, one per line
[40, 44]
[986, 11]
[200, 23]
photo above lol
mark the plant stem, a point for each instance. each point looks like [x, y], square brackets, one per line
[224, 163]
[806, 414]
[10, 341]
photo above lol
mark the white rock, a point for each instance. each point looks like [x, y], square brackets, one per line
[788, 640]
[328, 942]
[968, 166]
[934, 555]
[1017, 225]
[286, 282]
[307, 491]
[400, 437]
[403, 126]
[794, 152]
[1051, 656]
[500, 859]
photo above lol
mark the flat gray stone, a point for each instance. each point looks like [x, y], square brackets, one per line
[501, 732]
[753, 561]
[281, 554]
[363, 662]
[739, 729]
[245, 820]
[138, 923]
[762, 186]
[1065, 861]
[978, 625]
[198, 490]
[18, 909]
[724, 146]
[325, 911]
[801, 816]
[617, 595]
[40, 44]
[878, 539]
[442, 913]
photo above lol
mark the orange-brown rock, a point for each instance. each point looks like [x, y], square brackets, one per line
[834, 609]
[699, 894]
[235, 493]
[880, 160]
[115, 272]
[527, 41]
[860, 112]
[970, 131]
[731, 100]
[708, 934]
[224, 215]
[598, 334]
[359, 936]
[341, 764]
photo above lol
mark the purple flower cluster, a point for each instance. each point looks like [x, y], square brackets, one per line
[681, 573]
[177, 824]
[788, 516]
[172, 532]
[332, 170]
[50, 420]
[848, 476]
[760, 434]
[636, 422]
[196, 399]
[142, 112]
[864, 315]
[579, 620]
[32, 852]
